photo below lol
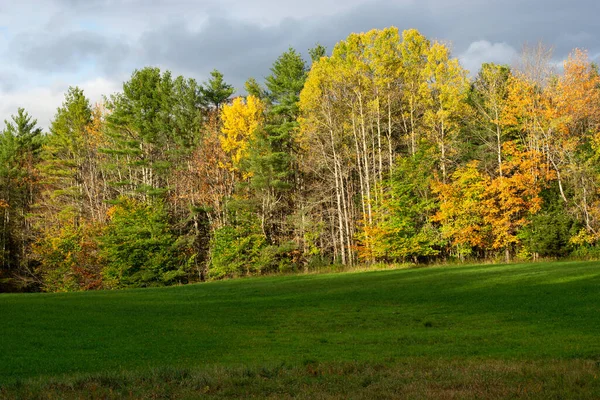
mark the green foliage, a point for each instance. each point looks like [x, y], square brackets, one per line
[20, 144]
[279, 258]
[253, 88]
[242, 249]
[21, 137]
[58, 255]
[139, 248]
[287, 78]
[65, 151]
[279, 181]
[550, 230]
[317, 52]
[70, 120]
[235, 252]
[215, 92]
[403, 230]
[153, 124]
[272, 160]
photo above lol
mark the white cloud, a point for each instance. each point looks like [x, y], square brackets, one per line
[41, 102]
[483, 51]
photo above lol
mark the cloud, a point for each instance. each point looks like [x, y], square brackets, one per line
[8, 81]
[242, 49]
[246, 47]
[68, 52]
[105, 40]
[483, 51]
[42, 101]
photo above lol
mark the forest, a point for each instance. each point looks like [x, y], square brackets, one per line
[385, 151]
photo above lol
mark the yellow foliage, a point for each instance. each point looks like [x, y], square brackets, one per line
[584, 238]
[461, 207]
[240, 120]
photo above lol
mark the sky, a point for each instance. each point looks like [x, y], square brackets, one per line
[49, 45]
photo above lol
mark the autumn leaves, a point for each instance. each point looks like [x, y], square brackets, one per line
[381, 98]
[384, 151]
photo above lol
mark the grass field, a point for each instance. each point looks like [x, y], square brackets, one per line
[494, 331]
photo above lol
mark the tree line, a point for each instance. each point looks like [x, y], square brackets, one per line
[385, 151]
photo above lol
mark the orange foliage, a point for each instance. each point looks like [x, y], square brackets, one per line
[510, 199]
[478, 211]
[577, 95]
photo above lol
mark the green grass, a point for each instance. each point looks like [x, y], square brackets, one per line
[499, 323]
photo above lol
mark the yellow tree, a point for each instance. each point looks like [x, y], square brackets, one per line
[324, 139]
[489, 98]
[448, 86]
[386, 65]
[412, 70]
[558, 118]
[461, 212]
[240, 120]
[350, 110]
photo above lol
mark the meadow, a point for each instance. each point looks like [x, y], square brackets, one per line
[493, 331]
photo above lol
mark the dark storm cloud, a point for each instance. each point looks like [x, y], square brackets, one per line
[516, 22]
[67, 52]
[244, 49]
[239, 50]
[97, 43]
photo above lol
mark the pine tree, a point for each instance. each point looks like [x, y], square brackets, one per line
[274, 162]
[20, 144]
[71, 210]
[140, 248]
[152, 125]
[216, 91]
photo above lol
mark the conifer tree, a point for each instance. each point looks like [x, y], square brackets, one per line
[20, 144]
[216, 91]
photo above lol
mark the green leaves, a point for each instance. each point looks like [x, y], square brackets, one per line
[20, 144]
[139, 248]
[215, 91]
[151, 127]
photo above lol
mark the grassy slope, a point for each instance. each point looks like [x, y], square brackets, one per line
[528, 313]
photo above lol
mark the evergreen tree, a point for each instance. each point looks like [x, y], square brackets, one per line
[20, 144]
[253, 88]
[140, 248]
[71, 210]
[273, 160]
[215, 91]
[153, 125]
[317, 52]
[65, 155]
